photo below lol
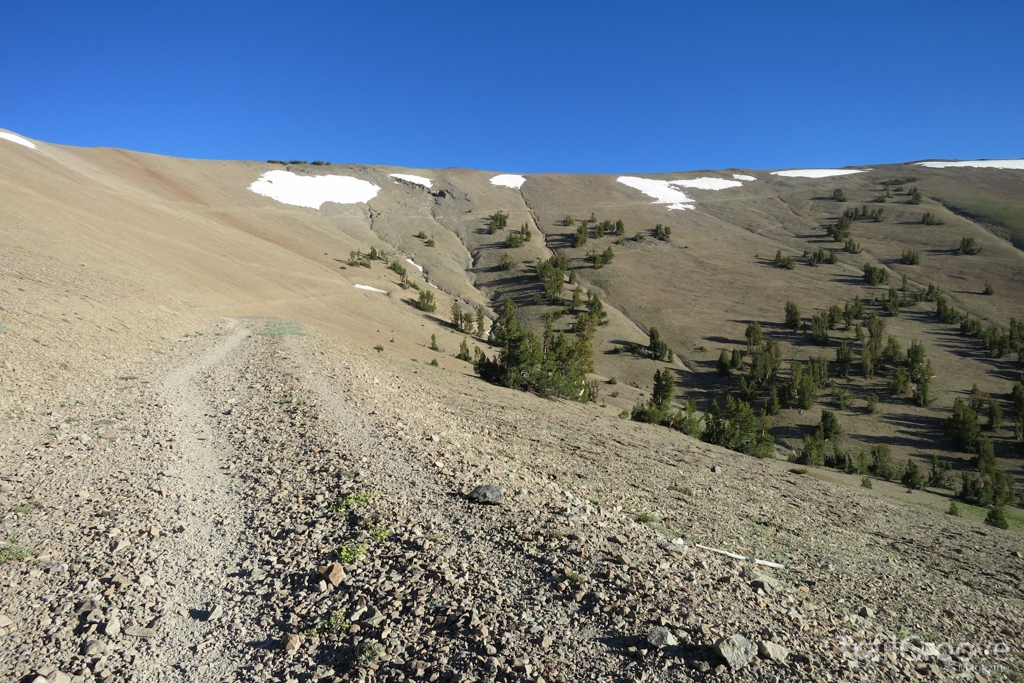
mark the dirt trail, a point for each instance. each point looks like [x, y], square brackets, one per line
[208, 520]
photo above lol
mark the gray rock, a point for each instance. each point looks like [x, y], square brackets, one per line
[772, 651]
[5, 621]
[291, 643]
[661, 637]
[140, 632]
[736, 650]
[94, 648]
[113, 626]
[216, 613]
[866, 612]
[488, 494]
[716, 470]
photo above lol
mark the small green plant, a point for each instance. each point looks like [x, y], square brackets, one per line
[613, 381]
[872, 404]
[433, 343]
[369, 652]
[506, 263]
[337, 622]
[355, 500]
[576, 578]
[988, 291]
[421, 235]
[380, 533]
[799, 470]
[838, 195]
[379, 347]
[954, 509]
[866, 483]
[643, 518]
[433, 361]
[351, 553]
[15, 551]
[430, 242]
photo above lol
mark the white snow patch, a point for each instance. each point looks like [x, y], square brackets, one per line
[17, 139]
[667, 191]
[414, 179]
[508, 180]
[740, 176]
[409, 260]
[1013, 164]
[660, 190]
[370, 289]
[706, 183]
[313, 191]
[815, 172]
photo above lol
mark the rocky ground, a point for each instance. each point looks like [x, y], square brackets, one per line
[258, 505]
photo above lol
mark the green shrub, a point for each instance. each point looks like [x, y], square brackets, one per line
[954, 509]
[997, 517]
[866, 483]
[787, 262]
[838, 195]
[968, 247]
[875, 275]
[910, 257]
[426, 301]
[929, 218]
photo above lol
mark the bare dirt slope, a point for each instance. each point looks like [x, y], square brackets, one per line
[183, 463]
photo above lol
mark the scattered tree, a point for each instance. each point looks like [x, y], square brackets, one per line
[792, 316]
[426, 302]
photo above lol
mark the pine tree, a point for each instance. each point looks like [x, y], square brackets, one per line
[664, 387]
[724, 366]
[480, 319]
[995, 415]
[463, 351]
[997, 517]
[792, 316]
[912, 478]
[426, 302]
[433, 343]
[657, 347]
[963, 427]
[753, 334]
[844, 359]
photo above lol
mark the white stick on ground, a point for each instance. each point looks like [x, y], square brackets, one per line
[736, 556]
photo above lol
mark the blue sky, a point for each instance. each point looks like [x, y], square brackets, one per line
[581, 87]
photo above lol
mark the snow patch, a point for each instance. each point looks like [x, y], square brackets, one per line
[660, 190]
[508, 180]
[815, 172]
[706, 183]
[740, 176]
[1013, 164]
[370, 289]
[414, 179]
[313, 191]
[18, 140]
[416, 265]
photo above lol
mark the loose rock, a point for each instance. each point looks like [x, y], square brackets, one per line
[736, 650]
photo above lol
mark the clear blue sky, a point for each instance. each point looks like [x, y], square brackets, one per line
[578, 87]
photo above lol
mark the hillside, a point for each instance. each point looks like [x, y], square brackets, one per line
[195, 419]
